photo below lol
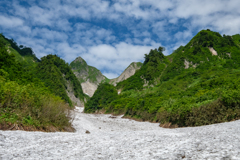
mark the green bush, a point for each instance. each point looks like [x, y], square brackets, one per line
[31, 106]
[55, 73]
[153, 66]
[105, 94]
[24, 99]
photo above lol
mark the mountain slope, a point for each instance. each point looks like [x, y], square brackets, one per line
[205, 50]
[197, 85]
[58, 76]
[236, 39]
[153, 67]
[23, 54]
[46, 69]
[25, 102]
[88, 76]
[128, 72]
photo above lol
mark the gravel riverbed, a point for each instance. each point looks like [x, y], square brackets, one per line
[116, 138]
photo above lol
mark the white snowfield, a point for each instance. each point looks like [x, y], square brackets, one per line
[117, 138]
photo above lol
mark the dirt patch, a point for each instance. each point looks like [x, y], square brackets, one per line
[13, 127]
[112, 117]
[168, 125]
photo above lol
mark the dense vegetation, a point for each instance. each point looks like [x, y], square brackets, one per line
[153, 66]
[25, 101]
[56, 74]
[23, 54]
[105, 94]
[190, 87]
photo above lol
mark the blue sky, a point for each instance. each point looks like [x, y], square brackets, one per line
[110, 35]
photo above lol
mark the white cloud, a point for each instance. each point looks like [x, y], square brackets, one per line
[183, 35]
[114, 59]
[111, 35]
[103, 52]
[69, 52]
[42, 16]
[10, 21]
[228, 24]
[89, 34]
[110, 75]
[47, 34]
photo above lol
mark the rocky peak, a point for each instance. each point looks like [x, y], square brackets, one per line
[88, 76]
[79, 59]
[128, 72]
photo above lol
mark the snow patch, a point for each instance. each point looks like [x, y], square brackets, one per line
[117, 138]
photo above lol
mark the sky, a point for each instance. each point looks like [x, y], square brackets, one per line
[111, 34]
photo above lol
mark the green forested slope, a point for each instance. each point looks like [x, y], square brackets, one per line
[153, 66]
[22, 54]
[191, 87]
[33, 93]
[105, 94]
[51, 70]
[55, 73]
[25, 102]
[236, 39]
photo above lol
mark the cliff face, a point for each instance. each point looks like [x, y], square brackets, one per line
[88, 76]
[128, 72]
[70, 92]
[89, 88]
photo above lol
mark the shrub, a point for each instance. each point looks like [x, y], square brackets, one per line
[105, 94]
[31, 106]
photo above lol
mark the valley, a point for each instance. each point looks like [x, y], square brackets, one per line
[127, 80]
[112, 137]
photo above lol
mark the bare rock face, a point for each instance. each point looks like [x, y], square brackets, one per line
[88, 76]
[128, 72]
[76, 101]
[89, 88]
[188, 64]
[214, 53]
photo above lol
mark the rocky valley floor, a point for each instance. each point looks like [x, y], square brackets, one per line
[117, 138]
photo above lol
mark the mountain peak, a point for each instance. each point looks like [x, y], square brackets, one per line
[128, 72]
[88, 76]
[80, 59]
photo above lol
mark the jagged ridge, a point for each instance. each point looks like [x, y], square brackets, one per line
[128, 72]
[88, 76]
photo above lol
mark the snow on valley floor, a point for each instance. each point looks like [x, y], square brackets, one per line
[117, 138]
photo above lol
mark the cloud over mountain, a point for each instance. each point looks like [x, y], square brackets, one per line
[107, 33]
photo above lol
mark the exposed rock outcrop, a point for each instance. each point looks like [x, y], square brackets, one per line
[88, 76]
[128, 72]
[214, 53]
[76, 101]
[89, 88]
[188, 64]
